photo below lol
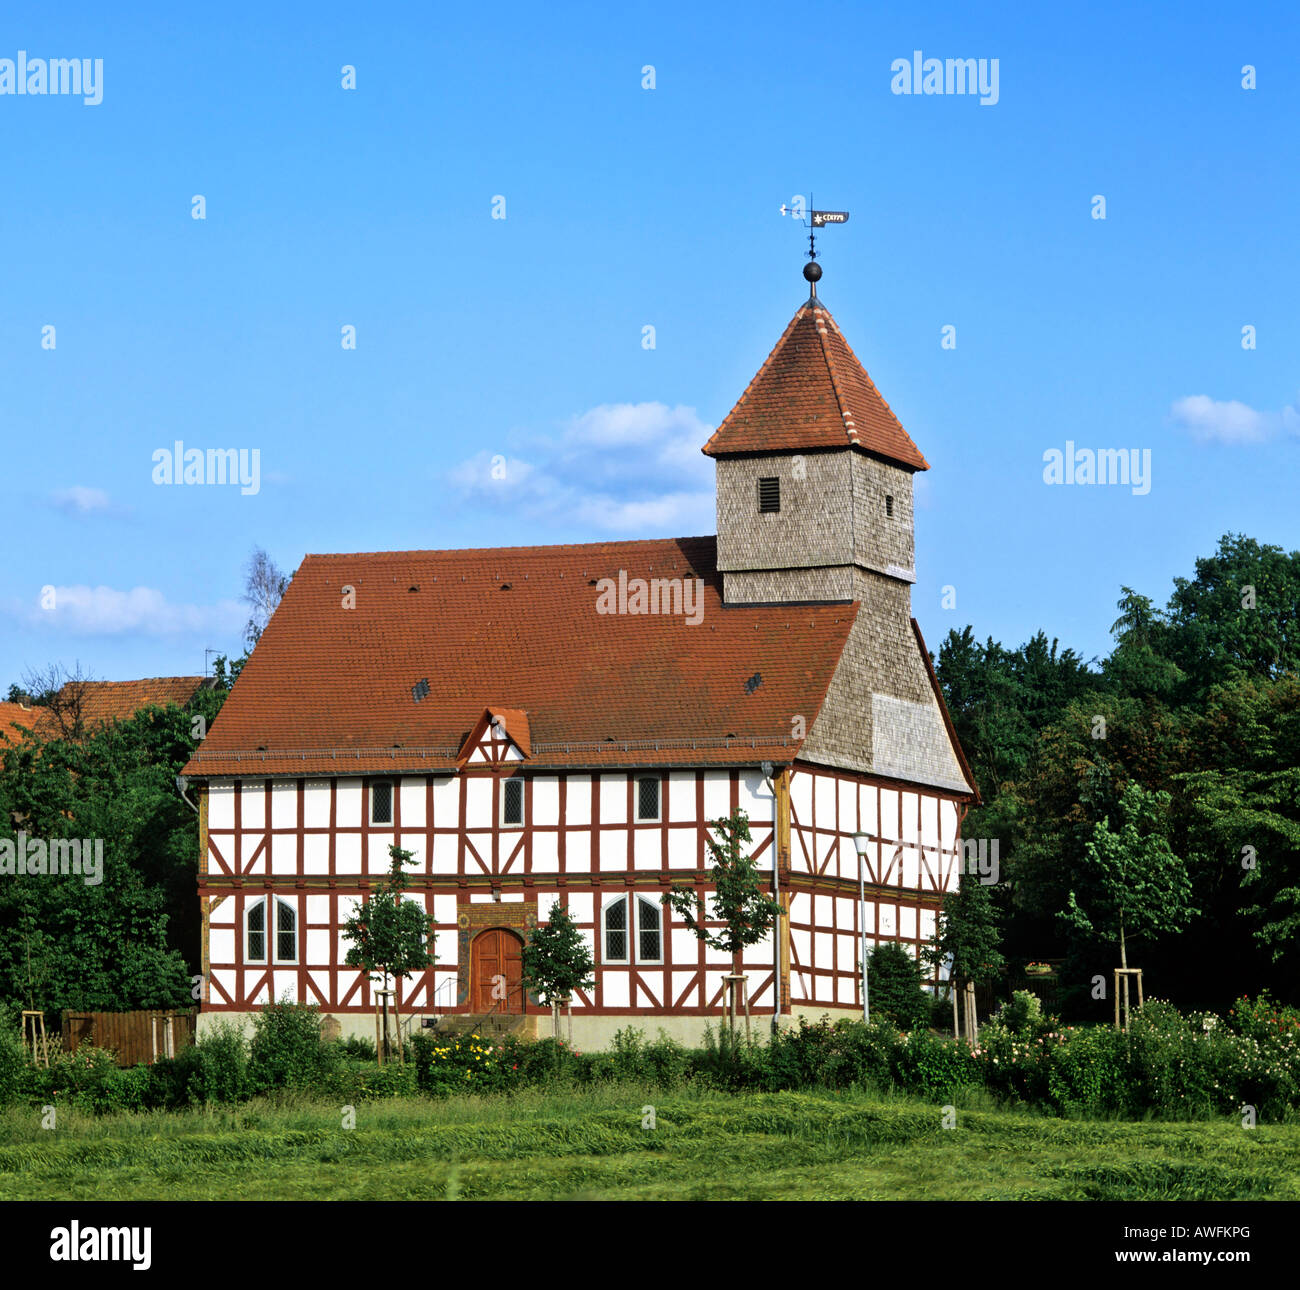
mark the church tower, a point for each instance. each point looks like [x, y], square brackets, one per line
[814, 500]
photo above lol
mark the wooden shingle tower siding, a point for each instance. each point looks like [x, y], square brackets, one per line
[813, 419]
[478, 709]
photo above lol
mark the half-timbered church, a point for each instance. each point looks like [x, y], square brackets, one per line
[562, 723]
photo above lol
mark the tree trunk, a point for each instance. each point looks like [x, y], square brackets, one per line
[1123, 962]
[956, 1022]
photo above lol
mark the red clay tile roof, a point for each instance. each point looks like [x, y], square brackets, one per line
[13, 717]
[328, 690]
[813, 393]
[105, 701]
[101, 702]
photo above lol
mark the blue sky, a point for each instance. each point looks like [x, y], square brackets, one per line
[521, 338]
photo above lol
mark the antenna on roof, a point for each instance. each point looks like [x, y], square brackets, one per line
[812, 220]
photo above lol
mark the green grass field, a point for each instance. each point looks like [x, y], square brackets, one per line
[591, 1145]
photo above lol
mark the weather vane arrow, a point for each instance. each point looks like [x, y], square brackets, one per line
[812, 220]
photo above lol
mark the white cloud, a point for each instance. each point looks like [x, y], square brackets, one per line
[106, 611]
[79, 500]
[1231, 422]
[621, 467]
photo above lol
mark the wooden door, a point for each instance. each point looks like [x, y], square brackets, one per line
[496, 964]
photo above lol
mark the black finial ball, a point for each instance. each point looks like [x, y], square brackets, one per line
[812, 271]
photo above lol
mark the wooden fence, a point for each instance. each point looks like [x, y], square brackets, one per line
[135, 1036]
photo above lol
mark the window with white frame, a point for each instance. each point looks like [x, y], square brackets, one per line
[381, 802]
[647, 797]
[284, 937]
[632, 923]
[512, 803]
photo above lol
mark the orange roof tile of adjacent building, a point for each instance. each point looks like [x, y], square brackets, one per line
[812, 393]
[15, 719]
[104, 701]
[101, 702]
[513, 631]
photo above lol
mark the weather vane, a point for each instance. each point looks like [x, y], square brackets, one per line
[812, 220]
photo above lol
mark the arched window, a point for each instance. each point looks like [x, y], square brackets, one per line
[632, 929]
[285, 941]
[649, 923]
[616, 946]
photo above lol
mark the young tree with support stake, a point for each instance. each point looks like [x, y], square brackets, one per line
[556, 962]
[967, 935]
[391, 936]
[1131, 883]
[740, 903]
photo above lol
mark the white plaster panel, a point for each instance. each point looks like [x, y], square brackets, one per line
[478, 803]
[316, 804]
[577, 800]
[615, 987]
[221, 806]
[446, 847]
[909, 804]
[889, 827]
[681, 795]
[717, 794]
[284, 804]
[577, 850]
[682, 848]
[221, 944]
[848, 792]
[613, 849]
[801, 943]
[315, 853]
[412, 795]
[318, 946]
[347, 852]
[446, 802]
[248, 843]
[613, 799]
[867, 817]
[546, 799]
[284, 853]
[546, 851]
[755, 798]
[824, 797]
[252, 805]
[348, 804]
[648, 848]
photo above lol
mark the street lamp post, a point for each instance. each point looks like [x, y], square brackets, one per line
[860, 844]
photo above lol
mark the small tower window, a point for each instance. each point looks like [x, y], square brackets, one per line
[769, 495]
[381, 802]
[889, 506]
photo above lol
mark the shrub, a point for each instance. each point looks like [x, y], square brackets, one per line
[1023, 1016]
[286, 1049]
[464, 1064]
[360, 1050]
[13, 1064]
[356, 1080]
[894, 984]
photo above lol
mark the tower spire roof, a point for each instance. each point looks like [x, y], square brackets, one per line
[811, 393]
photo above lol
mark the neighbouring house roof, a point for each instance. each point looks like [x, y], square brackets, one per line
[104, 701]
[812, 393]
[101, 702]
[15, 718]
[516, 632]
